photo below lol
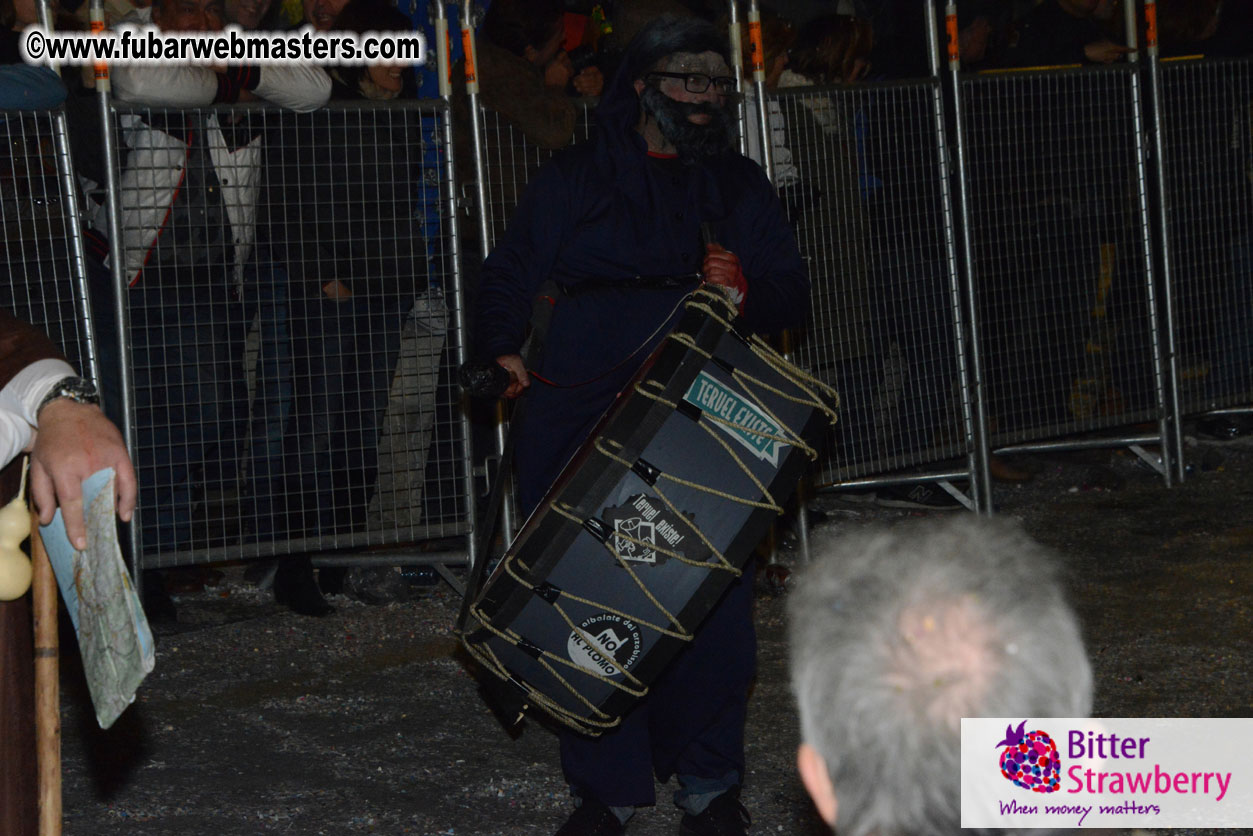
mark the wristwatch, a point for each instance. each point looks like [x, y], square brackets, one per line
[74, 388]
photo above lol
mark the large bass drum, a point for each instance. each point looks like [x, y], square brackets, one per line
[650, 522]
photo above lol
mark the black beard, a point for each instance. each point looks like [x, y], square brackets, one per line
[693, 142]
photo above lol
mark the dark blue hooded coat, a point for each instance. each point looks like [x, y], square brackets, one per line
[597, 215]
[603, 212]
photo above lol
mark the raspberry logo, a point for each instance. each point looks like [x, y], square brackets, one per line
[1030, 759]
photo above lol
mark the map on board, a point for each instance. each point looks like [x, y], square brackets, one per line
[113, 634]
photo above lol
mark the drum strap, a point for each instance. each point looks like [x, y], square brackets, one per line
[589, 287]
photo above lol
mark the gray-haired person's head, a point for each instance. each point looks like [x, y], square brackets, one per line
[896, 634]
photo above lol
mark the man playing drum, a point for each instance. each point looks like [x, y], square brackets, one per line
[622, 224]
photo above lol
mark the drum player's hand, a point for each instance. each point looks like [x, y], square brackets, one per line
[519, 380]
[722, 268]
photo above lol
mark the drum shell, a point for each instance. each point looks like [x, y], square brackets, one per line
[628, 635]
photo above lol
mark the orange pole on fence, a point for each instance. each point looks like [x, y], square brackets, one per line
[756, 49]
[470, 48]
[954, 42]
[101, 69]
[47, 685]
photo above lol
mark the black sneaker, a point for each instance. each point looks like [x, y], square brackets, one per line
[922, 495]
[591, 818]
[725, 816]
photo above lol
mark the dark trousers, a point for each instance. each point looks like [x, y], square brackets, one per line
[18, 787]
[344, 355]
[691, 723]
[266, 289]
[911, 309]
[187, 354]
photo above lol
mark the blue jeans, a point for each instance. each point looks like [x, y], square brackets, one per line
[690, 725]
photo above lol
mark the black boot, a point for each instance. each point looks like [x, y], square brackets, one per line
[591, 818]
[158, 605]
[295, 587]
[725, 816]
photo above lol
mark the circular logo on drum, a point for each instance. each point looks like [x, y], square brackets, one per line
[606, 644]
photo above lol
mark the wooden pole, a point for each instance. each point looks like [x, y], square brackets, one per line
[47, 686]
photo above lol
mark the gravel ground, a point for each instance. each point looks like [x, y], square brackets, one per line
[259, 721]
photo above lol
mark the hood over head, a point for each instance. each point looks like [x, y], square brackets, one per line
[618, 112]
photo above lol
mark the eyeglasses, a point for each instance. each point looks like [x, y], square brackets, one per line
[699, 82]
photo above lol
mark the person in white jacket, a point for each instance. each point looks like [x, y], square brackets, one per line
[188, 193]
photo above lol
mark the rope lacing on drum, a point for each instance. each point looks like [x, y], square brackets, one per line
[487, 657]
[827, 402]
[706, 301]
[770, 503]
[567, 512]
[681, 632]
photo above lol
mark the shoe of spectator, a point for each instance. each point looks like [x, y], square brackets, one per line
[158, 605]
[922, 495]
[295, 587]
[1224, 427]
[591, 818]
[725, 816]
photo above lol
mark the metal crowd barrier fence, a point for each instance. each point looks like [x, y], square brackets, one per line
[283, 404]
[1206, 129]
[865, 200]
[870, 218]
[1060, 232]
[40, 236]
[508, 161]
[1060, 274]
[295, 324]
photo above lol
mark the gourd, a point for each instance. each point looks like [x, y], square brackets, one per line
[15, 568]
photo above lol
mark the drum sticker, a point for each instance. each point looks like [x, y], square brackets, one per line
[645, 519]
[614, 646]
[746, 423]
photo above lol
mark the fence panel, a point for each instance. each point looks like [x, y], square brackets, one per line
[1207, 140]
[39, 230]
[870, 218]
[290, 289]
[510, 160]
[1065, 305]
